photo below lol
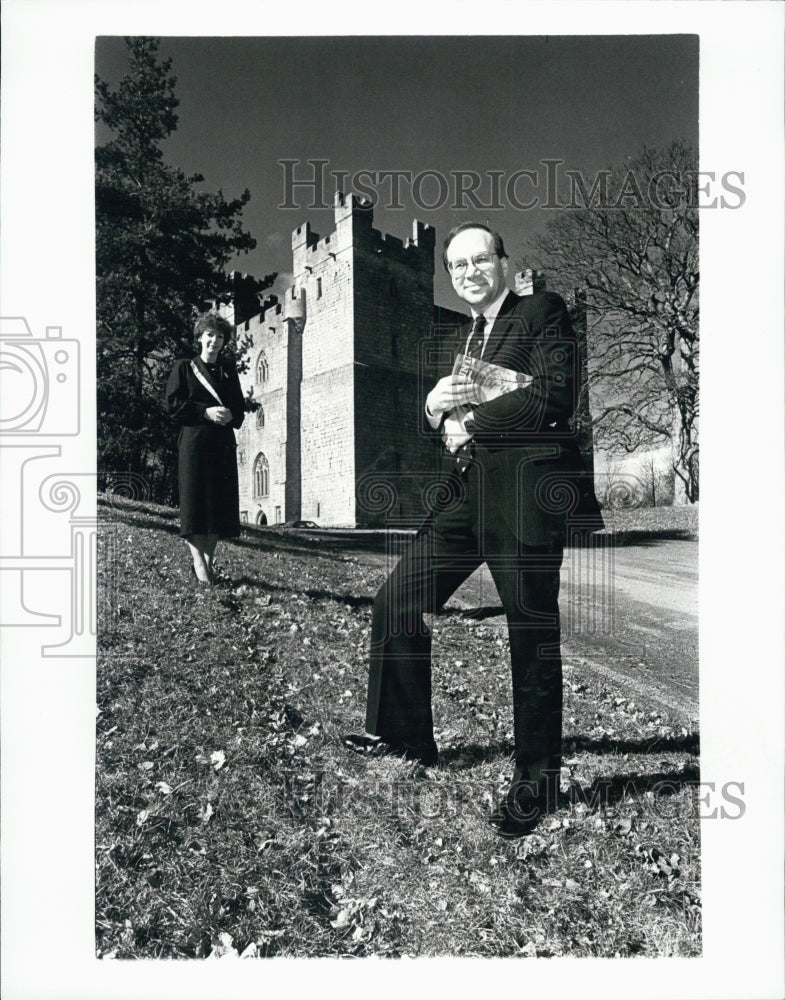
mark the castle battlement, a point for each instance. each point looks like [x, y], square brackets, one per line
[416, 251]
[354, 230]
[351, 206]
[271, 307]
[304, 236]
[311, 255]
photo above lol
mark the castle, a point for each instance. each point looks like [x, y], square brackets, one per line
[341, 368]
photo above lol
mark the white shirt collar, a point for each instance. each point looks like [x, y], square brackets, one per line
[491, 312]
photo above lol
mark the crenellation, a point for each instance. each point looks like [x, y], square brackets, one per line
[271, 309]
[423, 236]
[392, 243]
[304, 236]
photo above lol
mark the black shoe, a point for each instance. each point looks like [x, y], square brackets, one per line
[519, 820]
[376, 746]
[525, 803]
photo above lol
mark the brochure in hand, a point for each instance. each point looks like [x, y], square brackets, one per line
[490, 381]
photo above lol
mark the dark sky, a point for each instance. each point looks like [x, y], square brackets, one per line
[415, 103]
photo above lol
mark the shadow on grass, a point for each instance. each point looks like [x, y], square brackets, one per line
[650, 536]
[470, 754]
[607, 790]
[690, 743]
[474, 614]
[351, 600]
[604, 790]
[146, 521]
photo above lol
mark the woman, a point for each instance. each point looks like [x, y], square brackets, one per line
[206, 402]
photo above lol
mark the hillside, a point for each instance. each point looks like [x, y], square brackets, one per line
[231, 820]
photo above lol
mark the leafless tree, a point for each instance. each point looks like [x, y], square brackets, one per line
[630, 240]
[656, 484]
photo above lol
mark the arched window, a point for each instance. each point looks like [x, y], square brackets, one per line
[262, 368]
[260, 418]
[261, 476]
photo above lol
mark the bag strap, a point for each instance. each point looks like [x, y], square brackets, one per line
[205, 383]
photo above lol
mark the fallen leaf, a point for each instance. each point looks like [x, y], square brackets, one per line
[341, 920]
[225, 947]
[657, 863]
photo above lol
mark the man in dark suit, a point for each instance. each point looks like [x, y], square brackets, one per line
[512, 473]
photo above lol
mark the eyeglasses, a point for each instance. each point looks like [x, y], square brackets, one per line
[482, 261]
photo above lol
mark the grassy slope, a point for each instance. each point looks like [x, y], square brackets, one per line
[229, 817]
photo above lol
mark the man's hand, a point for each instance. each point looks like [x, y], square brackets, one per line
[218, 415]
[455, 433]
[449, 392]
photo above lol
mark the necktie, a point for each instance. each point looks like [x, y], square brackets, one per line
[477, 338]
[474, 349]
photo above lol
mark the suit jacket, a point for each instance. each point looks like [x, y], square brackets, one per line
[532, 472]
[187, 399]
[207, 452]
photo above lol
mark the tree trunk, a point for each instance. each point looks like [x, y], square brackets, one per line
[685, 461]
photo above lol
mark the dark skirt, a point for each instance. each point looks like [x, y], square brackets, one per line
[207, 479]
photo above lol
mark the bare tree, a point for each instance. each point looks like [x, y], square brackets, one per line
[616, 489]
[656, 485]
[631, 242]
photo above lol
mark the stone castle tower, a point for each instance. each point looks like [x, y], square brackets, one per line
[341, 367]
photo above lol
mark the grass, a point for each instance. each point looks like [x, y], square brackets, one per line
[231, 820]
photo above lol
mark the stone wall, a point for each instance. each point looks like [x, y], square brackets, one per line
[270, 338]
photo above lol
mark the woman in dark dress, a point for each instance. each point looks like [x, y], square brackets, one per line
[206, 402]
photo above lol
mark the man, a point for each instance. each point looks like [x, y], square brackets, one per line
[512, 473]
